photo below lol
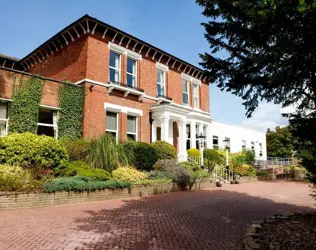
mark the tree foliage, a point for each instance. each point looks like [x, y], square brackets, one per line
[280, 142]
[265, 50]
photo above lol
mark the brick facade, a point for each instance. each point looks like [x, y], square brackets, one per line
[88, 58]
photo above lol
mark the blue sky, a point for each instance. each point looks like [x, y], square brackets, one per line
[172, 25]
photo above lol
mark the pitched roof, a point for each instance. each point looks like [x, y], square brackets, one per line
[87, 25]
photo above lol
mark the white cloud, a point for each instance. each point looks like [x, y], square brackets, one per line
[267, 115]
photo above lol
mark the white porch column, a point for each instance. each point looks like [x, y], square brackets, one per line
[154, 131]
[209, 137]
[165, 127]
[193, 134]
[182, 155]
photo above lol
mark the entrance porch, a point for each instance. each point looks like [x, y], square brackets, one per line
[180, 126]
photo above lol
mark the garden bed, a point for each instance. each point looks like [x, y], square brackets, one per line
[293, 231]
[10, 201]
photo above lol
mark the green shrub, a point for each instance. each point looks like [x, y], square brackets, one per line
[80, 168]
[130, 149]
[156, 175]
[128, 174]
[77, 149]
[164, 150]
[196, 171]
[147, 182]
[161, 164]
[213, 158]
[13, 178]
[104, 153]
[81, 184]
[242, 169]
[251, 171]
[193, 152]
[145, 156]
[30, 150]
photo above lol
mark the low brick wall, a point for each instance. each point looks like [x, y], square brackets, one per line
[10, 201]
[246, 179]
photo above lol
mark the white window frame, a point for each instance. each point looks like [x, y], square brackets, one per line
[162, 84]
[55, 121]
[136, 132]
[119, 65]
[187, 133]
[196, 95]
[117, 124]
[6, 120]
[253, 149]
[164, 69]
[188, 91]
[205, 134]
[229, 141]
[135, 74]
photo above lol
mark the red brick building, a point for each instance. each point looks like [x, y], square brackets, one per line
[132, 89]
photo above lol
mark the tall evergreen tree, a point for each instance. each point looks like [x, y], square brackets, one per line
[269, 50]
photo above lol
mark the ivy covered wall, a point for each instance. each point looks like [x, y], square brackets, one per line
[23, 110]
[71, 100]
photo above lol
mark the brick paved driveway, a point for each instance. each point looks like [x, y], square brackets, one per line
[213, 219]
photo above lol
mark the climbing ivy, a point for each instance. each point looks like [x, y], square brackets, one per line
[23, 110]
[71, 98]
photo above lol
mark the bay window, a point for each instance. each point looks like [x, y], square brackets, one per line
[115, 62]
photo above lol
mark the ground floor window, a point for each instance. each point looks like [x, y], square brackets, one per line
[3, 119]
[47, 123]
[158, 133]
[215, 142]
[227, 143]
[112, 124]
[253, 147]
[188, 133]
[197, 133]
[205, 137]
[260, 149]
[243, 145]
[132, 128]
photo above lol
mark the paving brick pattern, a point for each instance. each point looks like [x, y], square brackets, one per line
[209, 219]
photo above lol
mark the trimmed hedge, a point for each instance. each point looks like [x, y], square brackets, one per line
[79, 168]
[30, 150]
[81, 184]
[164, 150]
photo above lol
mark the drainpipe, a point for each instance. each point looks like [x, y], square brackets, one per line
[151, 126]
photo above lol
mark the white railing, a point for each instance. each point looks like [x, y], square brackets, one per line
[276, 161]
[218, 173]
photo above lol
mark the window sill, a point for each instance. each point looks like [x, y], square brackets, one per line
[126, 89]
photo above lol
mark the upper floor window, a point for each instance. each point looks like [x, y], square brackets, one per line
[243, 145]
[195, 95]
[111, 124]
[161, 82]
[132, 127]
[131, 73]
[115, 62]
[3, 119]
[185, 92]
[215, 142]
[47, 122]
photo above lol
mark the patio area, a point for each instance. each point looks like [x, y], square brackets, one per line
[209, 219]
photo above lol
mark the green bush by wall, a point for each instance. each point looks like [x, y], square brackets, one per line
[164, 150]
[30, 150]
[145, 156]
[71, 99]
[193, 152]
[23, 110]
